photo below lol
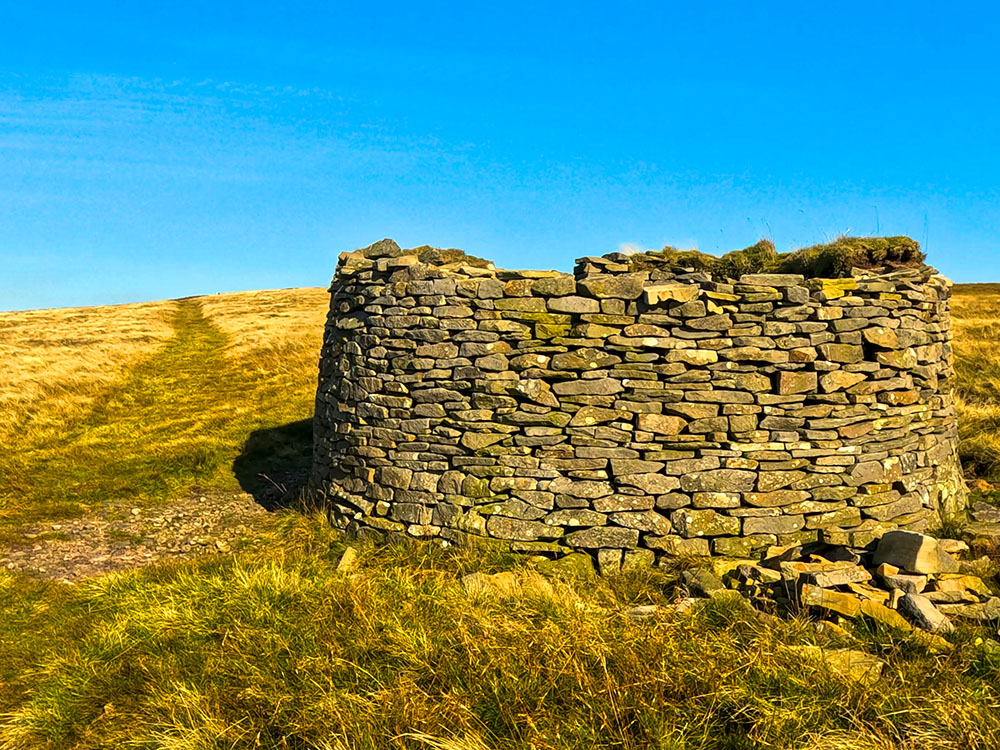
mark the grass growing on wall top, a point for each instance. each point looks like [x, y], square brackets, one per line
[830, 260]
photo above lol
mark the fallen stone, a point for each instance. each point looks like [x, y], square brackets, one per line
[851, 605]
[953, 546]
[348, 562]
[924, 615]
[851, 664]
[848, 605]
[704, 582]
[875, 594]
[609, 562]
[578, 565]
[932, 642]
[825, 575]
[988, 611]
[908, 584]
[951, 597]
[883, 614]
[910, 551]
[643, 612]
[957, 582]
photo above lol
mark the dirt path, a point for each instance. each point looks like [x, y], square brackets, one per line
[112, 490]
[118, 537]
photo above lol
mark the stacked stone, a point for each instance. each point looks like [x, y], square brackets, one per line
[634, 409]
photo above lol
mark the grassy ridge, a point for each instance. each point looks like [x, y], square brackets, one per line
[55, 361]
[976, 324]
[276, 649]
[177, 419]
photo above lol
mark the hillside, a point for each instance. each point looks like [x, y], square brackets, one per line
[167, 432]
[114, 409]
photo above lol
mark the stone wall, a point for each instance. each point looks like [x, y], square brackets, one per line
[633, 409]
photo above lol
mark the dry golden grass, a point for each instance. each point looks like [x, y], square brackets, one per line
[276, 648]
[206, 398]
[271, 319]
[976, 325]
[55, 361]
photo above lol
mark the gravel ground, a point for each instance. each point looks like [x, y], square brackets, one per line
[119, 537]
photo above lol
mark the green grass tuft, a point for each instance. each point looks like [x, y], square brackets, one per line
[832, 260]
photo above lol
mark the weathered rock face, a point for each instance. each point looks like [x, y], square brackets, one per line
[617, 410]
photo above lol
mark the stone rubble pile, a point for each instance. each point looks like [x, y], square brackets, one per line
[908, 580]
[633, 410]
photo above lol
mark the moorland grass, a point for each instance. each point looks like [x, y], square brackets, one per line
[55, 361]
[279, 650]
[976, 325]
[177, 419]
[272, 647]
[829, 260]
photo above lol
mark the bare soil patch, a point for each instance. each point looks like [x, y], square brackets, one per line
[119, 536]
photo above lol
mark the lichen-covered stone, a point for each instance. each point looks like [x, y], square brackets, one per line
[604, 536]
[502, 527]
[662, 424]
[720, 480]
[703, 523]
[796, 382]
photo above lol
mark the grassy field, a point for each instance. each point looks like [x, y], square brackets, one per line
[143, 428]
[272, 647]
[279, 650]
[976, 321]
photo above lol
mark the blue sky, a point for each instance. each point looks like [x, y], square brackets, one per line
[187, 148]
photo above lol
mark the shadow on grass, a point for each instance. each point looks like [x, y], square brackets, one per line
[274, 464]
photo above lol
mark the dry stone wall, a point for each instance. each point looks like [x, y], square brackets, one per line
[633, 409]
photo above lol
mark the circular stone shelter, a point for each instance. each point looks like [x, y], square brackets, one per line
[662, 403]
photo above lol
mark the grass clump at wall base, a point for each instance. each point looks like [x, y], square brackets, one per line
[280, 650]
[833, 260]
